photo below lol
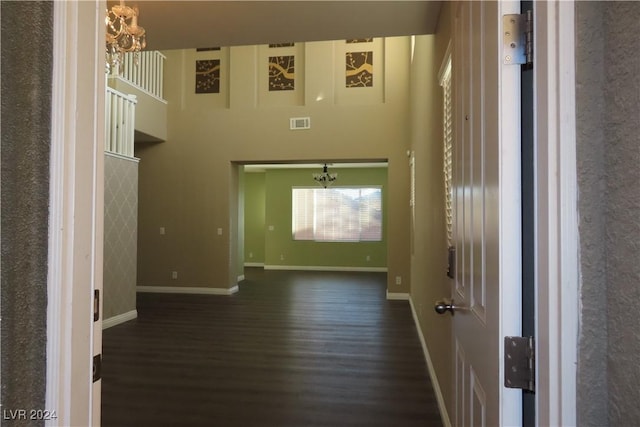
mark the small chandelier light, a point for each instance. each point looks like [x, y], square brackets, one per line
[123, 35]
[325, 178]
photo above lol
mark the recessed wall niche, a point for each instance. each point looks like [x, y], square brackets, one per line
[208, 76]
[205, 77]
[359, 69]
[281, 74]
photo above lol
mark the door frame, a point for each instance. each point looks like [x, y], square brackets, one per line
[76, 213]
[72, 277]
[556, 219]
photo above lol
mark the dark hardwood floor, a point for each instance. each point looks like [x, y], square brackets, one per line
[289, 349]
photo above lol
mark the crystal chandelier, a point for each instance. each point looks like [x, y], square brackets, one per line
[325, 178]
[123, 35]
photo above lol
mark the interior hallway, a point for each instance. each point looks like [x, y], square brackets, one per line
[289, 349]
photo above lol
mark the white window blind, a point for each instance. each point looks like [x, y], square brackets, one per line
[337, 214]
[447, 127]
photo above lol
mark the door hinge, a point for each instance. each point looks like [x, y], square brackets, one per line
[517, 39]
[97, 367]
[96, 305]
[520, 363]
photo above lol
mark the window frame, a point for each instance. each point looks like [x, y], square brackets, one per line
[334, 187]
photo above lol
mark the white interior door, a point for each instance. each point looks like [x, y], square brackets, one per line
[486, 185]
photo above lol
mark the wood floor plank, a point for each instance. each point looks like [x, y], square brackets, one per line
[289, 349]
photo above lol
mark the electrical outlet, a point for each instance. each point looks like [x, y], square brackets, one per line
[174, 274]
[281, 257]
[398, 280]
[368, 257]
[219, 231]
[162, 230]
[250, 254]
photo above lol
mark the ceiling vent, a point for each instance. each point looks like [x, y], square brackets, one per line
[298, 123]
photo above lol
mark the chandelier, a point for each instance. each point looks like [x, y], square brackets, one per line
[325, 178]
[123, 35]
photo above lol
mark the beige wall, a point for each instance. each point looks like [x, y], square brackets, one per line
[429, 257]
[151, 113]
[189, 183]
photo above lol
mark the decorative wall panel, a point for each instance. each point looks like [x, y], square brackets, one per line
[281, 73]
[359, 69]
[208, 76]
[120, 235]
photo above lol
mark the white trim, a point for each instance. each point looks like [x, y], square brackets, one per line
[120, 318]
[556, 233]
[325, 268]
[402, 296]
[432, 372]
[120, 156]
[262, 167]
[240, 278]
[187, 290]
[76, 213]
[59, 321]
[254, 264]
[510, 224]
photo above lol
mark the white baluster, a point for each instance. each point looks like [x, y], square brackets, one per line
[114, 122]
[107, 120]
[161, 77]
[132, 120]
[120, 125]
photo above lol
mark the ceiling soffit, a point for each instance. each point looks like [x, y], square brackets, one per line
[174, 24]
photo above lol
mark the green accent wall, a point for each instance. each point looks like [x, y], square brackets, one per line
[254, 221]
[268, 205]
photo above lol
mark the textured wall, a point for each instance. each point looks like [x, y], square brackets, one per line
[120, 235]
[608, 100]
[592, 381]
[622, 209]
[26, 124]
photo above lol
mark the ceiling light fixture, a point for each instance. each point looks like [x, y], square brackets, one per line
[123, 35]
[325, 178]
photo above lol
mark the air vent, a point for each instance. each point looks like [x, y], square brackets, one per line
[297, 123]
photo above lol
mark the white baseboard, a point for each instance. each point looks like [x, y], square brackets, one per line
[432, 372]
[120, 318]
[240, 278]
[187, 290]
[325, 268]
[254, 264]
[397, 296]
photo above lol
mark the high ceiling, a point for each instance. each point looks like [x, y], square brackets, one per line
[172, 24]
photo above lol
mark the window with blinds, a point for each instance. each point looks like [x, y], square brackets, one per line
[447, 126]
[337, 214]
